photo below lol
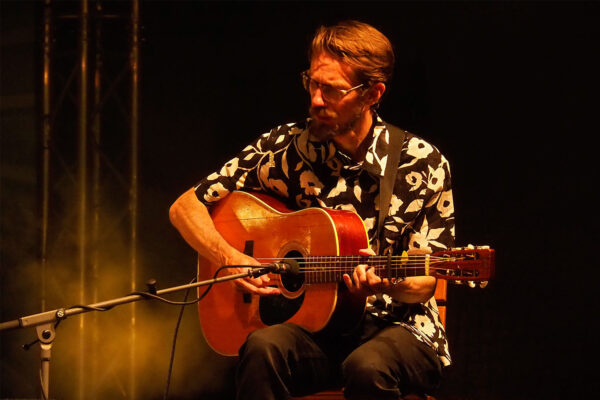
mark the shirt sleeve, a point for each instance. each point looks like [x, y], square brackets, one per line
[422, 209]
[434, 228]
[259, 167]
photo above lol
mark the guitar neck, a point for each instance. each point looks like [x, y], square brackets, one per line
[330, 269]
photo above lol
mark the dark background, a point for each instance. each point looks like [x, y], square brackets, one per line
[506, 90]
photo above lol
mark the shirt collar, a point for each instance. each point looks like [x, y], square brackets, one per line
[376, 155]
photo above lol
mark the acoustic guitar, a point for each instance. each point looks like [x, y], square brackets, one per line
[324, 244]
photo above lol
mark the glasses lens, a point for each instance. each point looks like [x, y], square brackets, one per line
[331, 94]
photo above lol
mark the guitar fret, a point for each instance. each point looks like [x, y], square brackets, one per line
[404, 258]
[325, 269]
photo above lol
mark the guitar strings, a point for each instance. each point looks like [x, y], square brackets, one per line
[329, 264]
[325, 264]
[341, 259]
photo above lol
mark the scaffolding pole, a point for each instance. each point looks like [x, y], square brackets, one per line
[45, 150]
[134, 190]
[82, 183]
[96, 134]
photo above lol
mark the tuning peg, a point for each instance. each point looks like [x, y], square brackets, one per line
[470, 247]
[471, 284]
[486, 247]
[458, 282]
[483, 284]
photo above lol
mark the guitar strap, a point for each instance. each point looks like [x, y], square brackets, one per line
[386, 182]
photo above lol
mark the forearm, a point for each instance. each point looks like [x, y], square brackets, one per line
[416, 289]
[192, 220]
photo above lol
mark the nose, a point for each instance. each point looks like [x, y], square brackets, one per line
[316, 98]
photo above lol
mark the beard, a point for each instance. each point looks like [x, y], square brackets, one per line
[323, 131]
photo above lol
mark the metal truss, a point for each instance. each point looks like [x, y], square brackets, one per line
[89, 177]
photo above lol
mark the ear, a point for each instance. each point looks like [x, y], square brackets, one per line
[374, 93]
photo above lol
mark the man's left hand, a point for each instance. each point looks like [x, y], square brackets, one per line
[364, 282]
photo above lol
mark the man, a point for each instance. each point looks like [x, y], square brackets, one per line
[336, 159]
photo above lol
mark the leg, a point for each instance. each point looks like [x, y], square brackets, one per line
[391, 364]
[280, 360]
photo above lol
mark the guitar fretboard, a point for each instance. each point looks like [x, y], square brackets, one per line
[327, 269]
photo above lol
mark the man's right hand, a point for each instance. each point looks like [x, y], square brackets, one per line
[192, 220]
[257, 285]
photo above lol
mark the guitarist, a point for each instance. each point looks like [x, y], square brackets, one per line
[337, 158]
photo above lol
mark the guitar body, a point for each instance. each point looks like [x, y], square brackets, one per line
[267, 229]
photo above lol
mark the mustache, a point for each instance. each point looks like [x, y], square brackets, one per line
[322, 112]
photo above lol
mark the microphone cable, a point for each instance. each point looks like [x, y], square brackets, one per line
[148, 295]
[187, 292]
[179, 318]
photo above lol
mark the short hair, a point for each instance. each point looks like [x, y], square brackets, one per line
[361, 46]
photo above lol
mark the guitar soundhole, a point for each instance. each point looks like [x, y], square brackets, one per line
[278, 309]
[292, 282]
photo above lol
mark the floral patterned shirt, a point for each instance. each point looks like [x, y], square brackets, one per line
[286, 163]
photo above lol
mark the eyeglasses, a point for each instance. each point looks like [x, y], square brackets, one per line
[328, 92]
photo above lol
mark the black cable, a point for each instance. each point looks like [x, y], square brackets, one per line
[147, 295]
[187, 292]
[90, 308]
[183, 304]
[173, 303]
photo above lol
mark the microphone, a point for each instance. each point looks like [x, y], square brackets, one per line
[285, 266]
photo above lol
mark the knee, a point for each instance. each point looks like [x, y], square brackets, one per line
[259, 342]
[367, 374]
[272, 342]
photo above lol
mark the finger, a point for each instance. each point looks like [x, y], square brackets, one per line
[355, 279]
[268, 291]
[244, 285]
[249, 283]
[414, 252]
[366, 252]
[348, 282]
[248, 287]
[256, 282]
[260, 282]
[361, 271]
[372, 278]
[374, 281]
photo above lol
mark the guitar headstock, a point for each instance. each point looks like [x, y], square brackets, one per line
[472, 264]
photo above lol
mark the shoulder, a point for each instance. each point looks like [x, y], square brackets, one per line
[415, 149]
[278, 137]
[289, 129]
[422, 166]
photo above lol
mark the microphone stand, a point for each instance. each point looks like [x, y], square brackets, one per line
[45, 323]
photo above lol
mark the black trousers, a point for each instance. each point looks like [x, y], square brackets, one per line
[376, 362]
